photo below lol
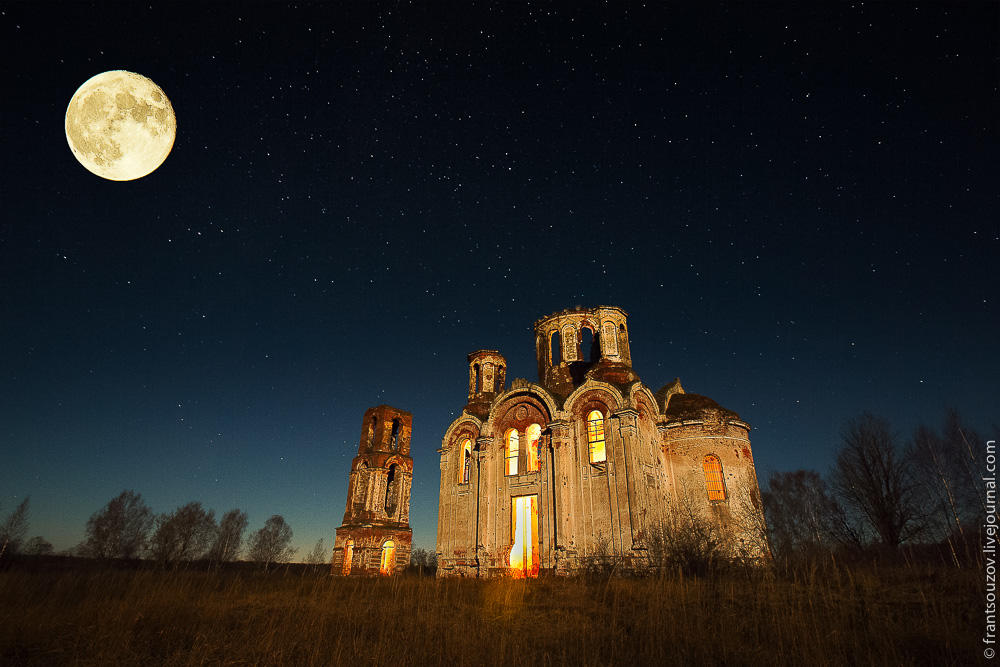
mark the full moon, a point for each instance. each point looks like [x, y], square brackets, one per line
[120, 125]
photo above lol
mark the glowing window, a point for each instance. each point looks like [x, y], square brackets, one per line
[512, 452]
[466, 463]
[388, 557]
[713, 478]
[533, 433]
[348, 557]
[595, 436]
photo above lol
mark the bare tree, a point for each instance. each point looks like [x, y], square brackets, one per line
[872, 478]
[183, 535]
[13, 529]
[422, 559]
[120, 529]
[229, 538]
[946, 468]
[804, 518]
[272, 543]
[692, 538]
[318, 555]
[37, 546]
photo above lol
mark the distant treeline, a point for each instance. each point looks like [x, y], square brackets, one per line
[917, 497]
[923, 496]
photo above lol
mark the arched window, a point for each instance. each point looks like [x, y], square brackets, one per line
[554, 348]
[394, 442]
[532, 435]
[348, 557]
[595, 436]
[390, 487]
[587, 344]
[465, 462]
[388, 557]
[501, 373]
[512, 452]
[714, 482]
[371, 431]
[475, 378]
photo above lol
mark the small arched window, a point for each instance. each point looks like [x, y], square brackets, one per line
[714, 482]
[587, 344]
[512, 451]
[501, 373]
[475, 379]
[371, 431]
[348, 557]
[595, 437]
[388, 557]
[554, 348]
[465, 463]
[394, 442]
[532, 435]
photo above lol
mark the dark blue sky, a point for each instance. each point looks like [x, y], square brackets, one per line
[797, 205]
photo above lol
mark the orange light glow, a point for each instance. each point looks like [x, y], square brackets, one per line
[463, 469]
[348, 556]
[595, 435]
[388, 557]
[524, 524]
[512, 451]
[533, 433]
[714, 482]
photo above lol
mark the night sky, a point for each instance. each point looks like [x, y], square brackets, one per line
[796, 205]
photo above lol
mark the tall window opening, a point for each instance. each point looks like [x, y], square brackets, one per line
[512, 452]
[714, 482]
[501, 372]
[587, 344]
[466, 462]
[371, 431]
[554, 348]
[595, 436]
[532, 435]
[388, 557]
[394, 442]
[348, 557]
[390, 488]
[524, 560]
[475, 378]
[360, 485]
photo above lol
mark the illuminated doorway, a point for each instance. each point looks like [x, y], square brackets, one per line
[524, 534]
[388, 557]
[348, 556]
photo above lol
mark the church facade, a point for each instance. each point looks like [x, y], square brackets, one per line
[586, 463]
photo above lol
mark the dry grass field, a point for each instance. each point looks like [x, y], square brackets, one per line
[102, 616]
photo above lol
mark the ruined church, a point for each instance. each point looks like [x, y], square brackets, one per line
[375, 536]
[586, 462]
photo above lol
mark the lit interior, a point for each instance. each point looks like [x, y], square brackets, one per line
[714, 483]
[533, 433]
[512, 450]
[595, 435]
[348, 556]
[463, 473]
[524, 522]
[388, 557]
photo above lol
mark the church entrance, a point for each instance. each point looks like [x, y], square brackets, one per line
[524, 560]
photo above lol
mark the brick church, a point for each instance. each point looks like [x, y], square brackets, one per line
[586, 462]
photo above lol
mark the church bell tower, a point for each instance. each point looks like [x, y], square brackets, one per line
[375, 537]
